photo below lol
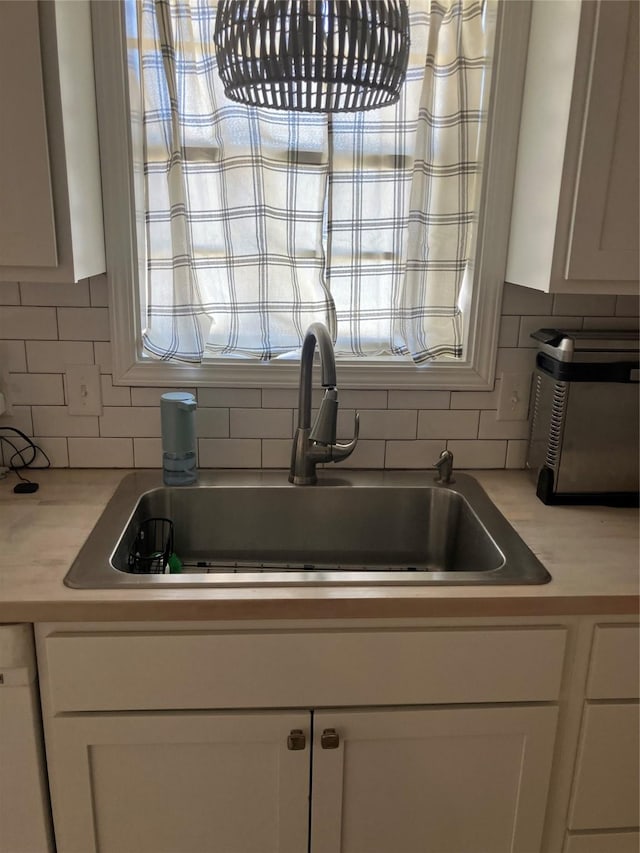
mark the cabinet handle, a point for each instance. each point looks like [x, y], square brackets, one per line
[330, 739]
[296, 739]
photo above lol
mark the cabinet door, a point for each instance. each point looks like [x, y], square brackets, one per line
[604, 229]
[51, 226]
[465, 780]
[179, 783]
[606, 790]
[27, 228]
[574, 222]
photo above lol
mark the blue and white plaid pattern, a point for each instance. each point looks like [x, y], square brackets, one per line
[261, 222]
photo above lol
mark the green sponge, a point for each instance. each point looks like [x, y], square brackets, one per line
[175, 565]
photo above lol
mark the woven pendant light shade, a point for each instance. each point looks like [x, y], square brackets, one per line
[312, 55]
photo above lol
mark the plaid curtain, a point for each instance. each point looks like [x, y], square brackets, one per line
[261, 222]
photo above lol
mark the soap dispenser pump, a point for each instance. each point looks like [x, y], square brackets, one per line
[177, 416]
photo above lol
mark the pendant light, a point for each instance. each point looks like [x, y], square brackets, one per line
[312, 55]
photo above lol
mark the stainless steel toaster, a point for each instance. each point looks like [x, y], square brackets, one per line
[584, 434]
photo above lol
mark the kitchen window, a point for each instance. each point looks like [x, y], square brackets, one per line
[230, 229]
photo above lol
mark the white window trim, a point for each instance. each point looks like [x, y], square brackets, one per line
[476, 372]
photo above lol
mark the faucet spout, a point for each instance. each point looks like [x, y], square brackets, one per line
[318, 444]
[317, 334]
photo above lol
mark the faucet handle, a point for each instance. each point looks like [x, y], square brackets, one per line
[323, 430]
[341, 451]
[444, 466]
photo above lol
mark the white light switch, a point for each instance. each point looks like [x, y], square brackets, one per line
[83, 389]
[515, 390]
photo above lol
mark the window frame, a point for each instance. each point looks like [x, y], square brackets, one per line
[122, 223]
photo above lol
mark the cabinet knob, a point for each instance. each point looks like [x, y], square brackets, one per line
[296, 739]
[330, 739]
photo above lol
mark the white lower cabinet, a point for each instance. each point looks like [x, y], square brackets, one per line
[195, 740]
[181, 783]
[430, 736]
[604, 812]
[451, 780]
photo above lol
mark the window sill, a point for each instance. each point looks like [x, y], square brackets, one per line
[379, 373]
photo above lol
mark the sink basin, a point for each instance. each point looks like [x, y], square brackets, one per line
[254, 529]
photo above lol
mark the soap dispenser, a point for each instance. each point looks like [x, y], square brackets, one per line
[178, 424]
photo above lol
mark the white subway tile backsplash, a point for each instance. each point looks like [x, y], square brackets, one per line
[151, 396]
[286, 398]
[54, 356]
[45, 452]
[413, 454]
[26, 323]
[276, 453]
[476, 399]
[9, 293]
[379, 423]
[419, 399]
[56, 450]
[102, 355]
[490, 427]
[478, 454]
[509, 331]
[114, 395]
[213, 423]
[614, 323]
[47, 327]
[101, 452]
[56, 295]
[515, 360]
[583, 304]
[532, 324]
[351, 399]
[248, 398]
[56, 421]
[83, 324]
[13, 356]
[260, 423]
[523, 300]
[147, 452]
[448, 424]
[43, 389]
[20, 418]
[516, 454]
[130, 421]
[98, 291]
[229, 453]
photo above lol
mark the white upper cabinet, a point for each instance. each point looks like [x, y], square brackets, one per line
[574, 225]
[50, 192]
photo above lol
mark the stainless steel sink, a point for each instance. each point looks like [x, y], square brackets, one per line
[254, 529]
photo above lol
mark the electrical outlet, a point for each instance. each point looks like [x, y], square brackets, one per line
[5, 389]
[83, 389]
[515, 390]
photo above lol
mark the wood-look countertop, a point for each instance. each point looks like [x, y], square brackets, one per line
[591, 553]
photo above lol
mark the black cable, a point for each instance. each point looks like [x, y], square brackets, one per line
[20, 453]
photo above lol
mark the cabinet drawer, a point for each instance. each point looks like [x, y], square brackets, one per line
[134, 670]
[598, 842]
[615, 663]
[605, 794]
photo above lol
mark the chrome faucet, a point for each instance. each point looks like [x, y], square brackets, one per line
[312, 445]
